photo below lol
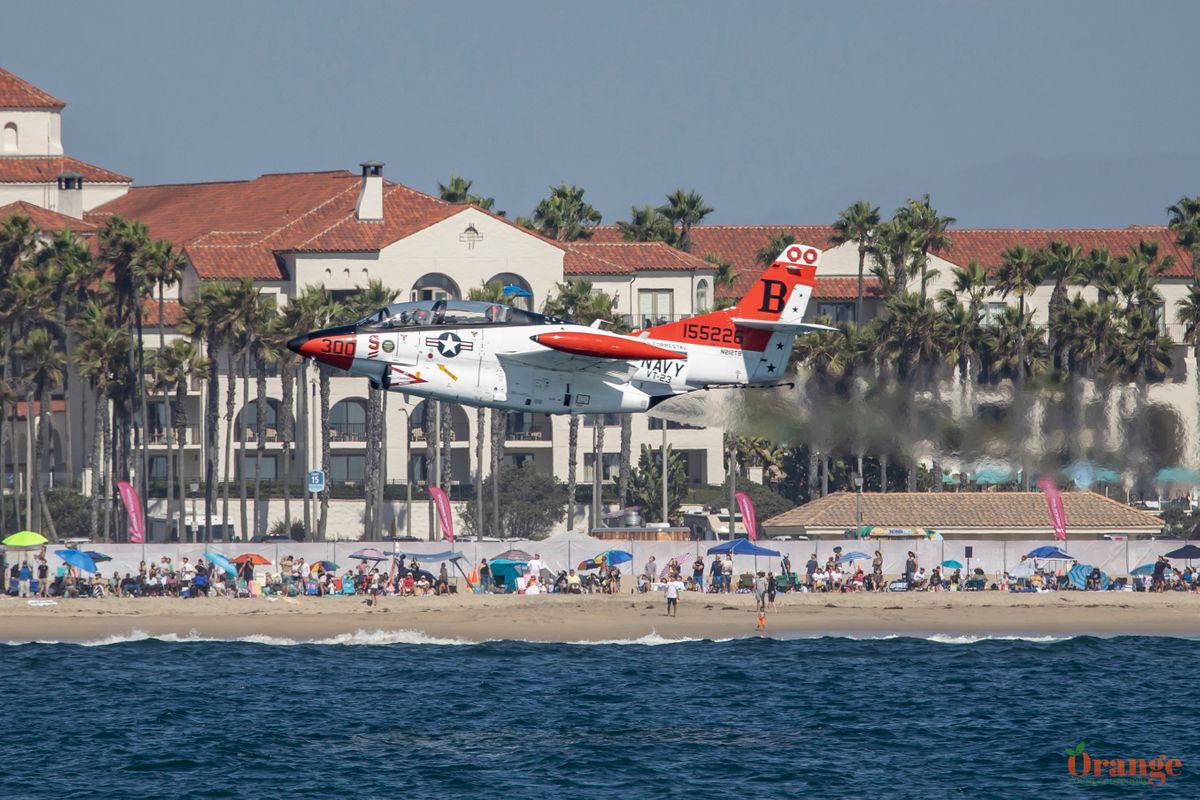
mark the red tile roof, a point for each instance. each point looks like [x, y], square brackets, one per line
[738, 244]
[630, 257]
[987, 245]
[56, 407]
[45, 169]
[18, 93]
[172, 313]
[46, 220]
[235, 228]
[970, 510]
[845, 288]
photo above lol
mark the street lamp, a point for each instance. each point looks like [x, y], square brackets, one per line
[858, 486]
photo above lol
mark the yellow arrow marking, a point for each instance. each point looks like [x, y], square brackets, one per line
[442, 367]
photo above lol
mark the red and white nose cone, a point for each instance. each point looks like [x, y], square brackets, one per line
[335, 350]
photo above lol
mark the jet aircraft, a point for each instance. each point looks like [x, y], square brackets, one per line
[497, 356]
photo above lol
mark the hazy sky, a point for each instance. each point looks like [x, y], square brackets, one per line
[1021, 113]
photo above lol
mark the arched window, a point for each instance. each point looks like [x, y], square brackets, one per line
[10, 138]
[348, 420]
[249, 418]
[517, 291]
[460, 427]
[701, 296]
[435, 286]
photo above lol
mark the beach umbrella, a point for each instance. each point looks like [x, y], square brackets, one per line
[1187, 552]
[513, 555]
[952, 564]
[328, 566]
[609, 557]
[77, 559]
[512, 290]
[369, 554]
[253, 558]
[1050, 553]
[853, 555]
[1144, 569]
[98, 557]
[24, 539]
[222, 563]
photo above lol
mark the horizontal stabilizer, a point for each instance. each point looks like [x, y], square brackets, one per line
[782, 327]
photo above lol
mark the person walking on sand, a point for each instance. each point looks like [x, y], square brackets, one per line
[877, 571]
[698, 574]
[485, 577]
[727, 571]
[760, 590]
[651, 570]
[772, 588]
[674, 587]
[809, 569]
[910, 568]
[714, 573]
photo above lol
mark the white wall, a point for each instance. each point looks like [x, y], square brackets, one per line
[39, 132]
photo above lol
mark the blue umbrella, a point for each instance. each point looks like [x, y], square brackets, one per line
[512, 290]
[1144, 569]
[856, 555]
[77, 559]
[952, 564]
[222, 563]
[1187, 552]
[1050, 553]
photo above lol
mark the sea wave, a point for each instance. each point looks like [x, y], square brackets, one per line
[359, 637]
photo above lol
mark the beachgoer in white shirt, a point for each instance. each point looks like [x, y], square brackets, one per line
[674, 587]
[535, 565]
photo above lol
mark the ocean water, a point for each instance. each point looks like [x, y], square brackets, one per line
[386, 715]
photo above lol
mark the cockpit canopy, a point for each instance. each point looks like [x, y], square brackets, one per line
[451, 313]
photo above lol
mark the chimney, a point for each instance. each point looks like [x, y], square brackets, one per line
[370, 197]
[70, 194]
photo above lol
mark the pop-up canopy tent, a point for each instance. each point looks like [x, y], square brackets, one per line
[741, 547]
[1050, 553]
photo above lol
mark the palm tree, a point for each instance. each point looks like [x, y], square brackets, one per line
[929, 232]
[908, 340]
[370, 298]
[43, 365]
[18, 242]
[238, 307]
[458, 190]
[857, 224]
[1185, 223]
[647, 224]
[99, 358]
[564, 216]
[298, 315]
[684, 210]
[895, 251]
[575, 300]
[1064, 265]
[767, 254]
[174, 367]
[264, 348]
[204, 321]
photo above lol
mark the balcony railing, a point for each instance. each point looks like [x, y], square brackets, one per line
[191, 435]
[348, 432]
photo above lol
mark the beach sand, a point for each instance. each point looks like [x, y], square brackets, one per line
[603, 618]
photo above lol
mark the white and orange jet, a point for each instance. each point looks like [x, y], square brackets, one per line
[493, 355]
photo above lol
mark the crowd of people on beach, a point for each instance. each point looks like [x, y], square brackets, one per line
[202, 578]
[294, 577]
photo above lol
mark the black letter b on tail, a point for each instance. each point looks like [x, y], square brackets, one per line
[774, 296]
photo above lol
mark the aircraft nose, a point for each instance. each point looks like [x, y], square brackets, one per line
[333, 346]
[296, 345]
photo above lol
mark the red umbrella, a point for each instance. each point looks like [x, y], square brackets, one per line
[253, 558]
